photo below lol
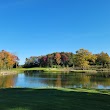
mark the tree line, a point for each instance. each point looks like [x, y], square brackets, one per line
[8, 60]
[82, 59]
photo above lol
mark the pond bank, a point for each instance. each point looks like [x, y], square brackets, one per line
[56, 70]
[8, 72]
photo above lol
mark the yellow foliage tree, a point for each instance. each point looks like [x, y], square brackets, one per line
[83, 57]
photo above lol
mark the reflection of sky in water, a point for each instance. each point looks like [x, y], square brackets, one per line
[103, 87]
[23, 81]
[39, 80]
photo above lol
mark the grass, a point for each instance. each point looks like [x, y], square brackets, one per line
[25, 69]
[55, 70]
[54, 99]
[38, 68]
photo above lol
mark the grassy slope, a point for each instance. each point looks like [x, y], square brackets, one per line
[54, 99]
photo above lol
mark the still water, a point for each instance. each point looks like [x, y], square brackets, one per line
[37, 79]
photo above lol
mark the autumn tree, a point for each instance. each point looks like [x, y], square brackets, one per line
[82, 58]
[58, 58]
[64, 59]
[103, 59]
[7, 60]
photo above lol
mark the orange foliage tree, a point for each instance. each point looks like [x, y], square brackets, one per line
[58, 58]
[7, 60]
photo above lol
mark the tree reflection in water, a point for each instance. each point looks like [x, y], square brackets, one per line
[72, 79]
[67, 80]
[7, 81]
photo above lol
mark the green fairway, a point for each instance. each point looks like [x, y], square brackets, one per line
[54, 99]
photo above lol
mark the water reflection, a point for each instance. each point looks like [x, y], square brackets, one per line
[7, 81]
[67, 80]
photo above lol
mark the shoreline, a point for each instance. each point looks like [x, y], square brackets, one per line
[82, 90]
[7, 72]
[62, 70]
[54, 70]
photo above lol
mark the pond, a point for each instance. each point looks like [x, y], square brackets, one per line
[35, 79]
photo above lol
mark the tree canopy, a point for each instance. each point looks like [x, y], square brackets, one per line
[82, 59]
[7, 60]
[103, 59]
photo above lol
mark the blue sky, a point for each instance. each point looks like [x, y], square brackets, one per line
[37, 27]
